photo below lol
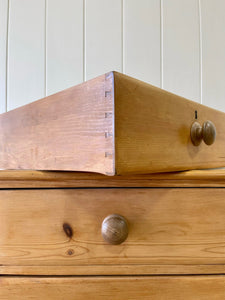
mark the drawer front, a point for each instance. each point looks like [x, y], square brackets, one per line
[60, 230]
[135, 287]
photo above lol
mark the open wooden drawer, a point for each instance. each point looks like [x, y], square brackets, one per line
[112, 124]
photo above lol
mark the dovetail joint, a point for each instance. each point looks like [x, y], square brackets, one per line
[108, 134]
[108, 154]
[108, 114]
[107, 93]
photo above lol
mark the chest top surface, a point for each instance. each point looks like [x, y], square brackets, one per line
[53, 179]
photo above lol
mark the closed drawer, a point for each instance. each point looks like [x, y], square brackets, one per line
[171, 230]
[135, 287]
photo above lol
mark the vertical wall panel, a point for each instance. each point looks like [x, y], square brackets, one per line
[103, 37]
[26, 52]
[64, 61]
[3, 52]
[105, 46]
[181, 51]
[142, 40]
[213, 53]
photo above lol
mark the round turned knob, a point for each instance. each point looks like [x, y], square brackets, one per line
[206, 132]
[114, 229]
[209, 132]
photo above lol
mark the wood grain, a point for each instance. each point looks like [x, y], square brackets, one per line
[75, 130]
[65, 131]
[166, 226]
[47, 179]
[163, 287]
[152, 130]
[98, 270]
[146, 130]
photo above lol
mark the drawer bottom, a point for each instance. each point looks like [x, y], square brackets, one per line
[113, 287]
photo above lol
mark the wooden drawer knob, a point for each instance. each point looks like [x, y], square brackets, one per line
[206, 132]
[114, 229]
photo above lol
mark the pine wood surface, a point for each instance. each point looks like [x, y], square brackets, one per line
[166, 227]
[147, 287]
[114, 270]
[65, 131]
[152, 130]
[48, 179]
[113, 124]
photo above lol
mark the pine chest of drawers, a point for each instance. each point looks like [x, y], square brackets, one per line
[163, 235]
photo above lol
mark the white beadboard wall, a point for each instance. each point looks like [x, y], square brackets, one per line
[50, 45]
